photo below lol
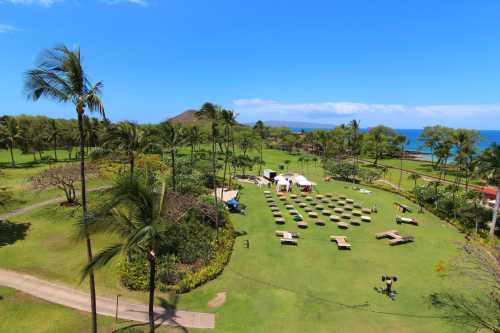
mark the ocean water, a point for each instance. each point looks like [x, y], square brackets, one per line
[487, 138]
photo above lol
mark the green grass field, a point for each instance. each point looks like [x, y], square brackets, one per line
[313, 287]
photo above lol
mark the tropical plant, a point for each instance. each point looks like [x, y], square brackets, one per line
[261, 132]
[128, 138]
[138, 217]
[212, 112]
[414, 177]
[9, 133]
[488, 166]
[60, 76]
[172, 137]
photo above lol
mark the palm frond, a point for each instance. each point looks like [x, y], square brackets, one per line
[101, 259]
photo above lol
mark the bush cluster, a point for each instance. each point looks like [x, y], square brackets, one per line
[192, 257]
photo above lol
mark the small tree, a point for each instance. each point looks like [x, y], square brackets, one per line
[478, 310]
[63, 177]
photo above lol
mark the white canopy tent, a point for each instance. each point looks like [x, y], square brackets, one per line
[282, 185]
[303, 183]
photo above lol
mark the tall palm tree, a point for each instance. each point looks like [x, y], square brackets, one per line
[128, 138]
[172, 137]
[10, 134]
[54, 135]
[261, 132]
[488, 166]
[60, 76]
[228, 118]
[139, 219]
[400, 141]
[415, 177]
[212, 113]
[355, 143]
[193, 139]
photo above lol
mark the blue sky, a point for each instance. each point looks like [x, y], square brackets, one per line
[405, 64]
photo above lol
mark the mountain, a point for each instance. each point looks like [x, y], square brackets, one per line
[187, 117]
[296, 124]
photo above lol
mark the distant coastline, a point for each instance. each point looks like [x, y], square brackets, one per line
[416, 147]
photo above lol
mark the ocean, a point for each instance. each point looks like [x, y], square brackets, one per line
[487, 138]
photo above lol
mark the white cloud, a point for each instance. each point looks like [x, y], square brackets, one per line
[324, 110]
[6, 28]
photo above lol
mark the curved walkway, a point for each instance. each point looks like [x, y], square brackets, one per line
[76, 299]
[63, 295]
[26, 209]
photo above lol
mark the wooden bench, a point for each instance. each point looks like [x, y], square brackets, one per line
[401, 240]
[319, 222]
[342, 225]
[385, 234]
[279, 220]
[302, 224]
[408, 220]
[341, 242]
[402, 208]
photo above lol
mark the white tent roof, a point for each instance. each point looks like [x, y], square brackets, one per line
[282, 181]
[279, 178]
[302, 181]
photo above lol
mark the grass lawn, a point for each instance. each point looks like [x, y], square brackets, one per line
[23, 313]
[313, 287]
[423, 167]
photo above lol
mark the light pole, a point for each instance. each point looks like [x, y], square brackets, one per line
[116, 312]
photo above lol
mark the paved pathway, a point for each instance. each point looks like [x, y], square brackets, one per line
[26, 209]
[63, 295]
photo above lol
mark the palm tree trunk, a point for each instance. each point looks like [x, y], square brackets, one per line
[93, 306]
[152, 287]
[226, 159]
[55, 148]
[495, 214]
[172, 156]
[214, 175]
[132, 165]
[260, 164]
[401, 168]
[13, 162]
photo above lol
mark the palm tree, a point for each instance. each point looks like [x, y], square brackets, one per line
[415, 177]
[488, 166]
[228, 118]
[355, 142]
[128, 138]
[54, 135]
[60, 76]
[138, 217]
[193, 138]
[10, 134]
[261, 132]
[172, 136]
[212, 113]
[400, 140]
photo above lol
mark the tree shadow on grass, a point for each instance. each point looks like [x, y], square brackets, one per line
[12, 232]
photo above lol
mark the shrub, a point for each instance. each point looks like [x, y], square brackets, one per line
[198, 258]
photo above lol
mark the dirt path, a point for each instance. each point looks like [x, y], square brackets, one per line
[26, 209]
[63, 295]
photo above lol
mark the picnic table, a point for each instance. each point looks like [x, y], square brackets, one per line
[402, 208]
[408, 220]
[341, 242]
